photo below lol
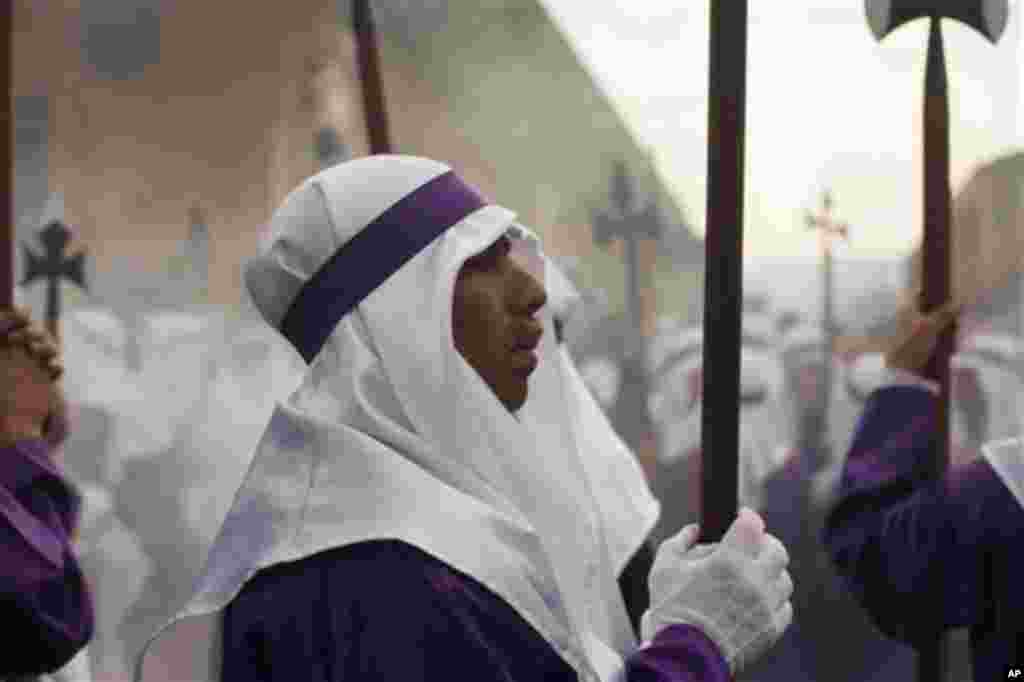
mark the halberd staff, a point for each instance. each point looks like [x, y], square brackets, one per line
[988, 17]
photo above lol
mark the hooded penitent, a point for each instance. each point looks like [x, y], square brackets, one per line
[676, 402]
[391, 434]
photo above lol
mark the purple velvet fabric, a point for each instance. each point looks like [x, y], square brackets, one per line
[679, 653]
[385, 610]
[921, 555]
[45, 604]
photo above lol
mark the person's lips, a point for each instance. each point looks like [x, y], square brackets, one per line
[528, 341]
[524, 355]
[524, 360]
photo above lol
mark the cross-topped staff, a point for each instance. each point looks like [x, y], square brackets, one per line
[633, 224]
[368, 58]
[988, 17]
[53, 267]
[723, 253]
[828, 228]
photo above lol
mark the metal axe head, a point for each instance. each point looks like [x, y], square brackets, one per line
[988, 17]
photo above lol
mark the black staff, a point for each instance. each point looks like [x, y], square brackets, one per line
[723, 284]
[6, 150]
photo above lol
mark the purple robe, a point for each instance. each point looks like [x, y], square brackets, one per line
[385, 610]
[46, 605]
[828, 625]
[921, 555]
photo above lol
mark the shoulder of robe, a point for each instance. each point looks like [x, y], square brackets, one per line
[363, 589]
[378, 562]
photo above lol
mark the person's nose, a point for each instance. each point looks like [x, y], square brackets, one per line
[530, 296]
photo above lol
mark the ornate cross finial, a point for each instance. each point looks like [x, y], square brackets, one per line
[52, 266]
[825, 223]
[626, 220]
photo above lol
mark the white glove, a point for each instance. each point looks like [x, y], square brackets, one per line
[736, 591]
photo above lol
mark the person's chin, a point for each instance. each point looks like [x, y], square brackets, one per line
[517, 392]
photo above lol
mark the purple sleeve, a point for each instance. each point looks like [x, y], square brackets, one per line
[679, 653]
[913, 550]
[43, 595]
[36, 503]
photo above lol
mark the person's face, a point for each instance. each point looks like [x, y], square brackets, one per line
[493, 322]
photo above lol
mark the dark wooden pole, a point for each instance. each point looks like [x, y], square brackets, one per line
[7, 147]
[368, 58]
[723, 286]
[936, 264]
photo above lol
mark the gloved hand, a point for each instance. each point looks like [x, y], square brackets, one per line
[736, 591]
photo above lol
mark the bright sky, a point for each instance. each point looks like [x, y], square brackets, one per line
[827, 106]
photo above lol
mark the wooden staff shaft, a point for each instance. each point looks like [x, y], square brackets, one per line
[723, 286]
[936, 266]
[368, 58]
[7, 147]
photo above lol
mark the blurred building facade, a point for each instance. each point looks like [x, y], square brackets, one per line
[149, 118]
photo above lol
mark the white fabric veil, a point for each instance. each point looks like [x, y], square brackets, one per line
[391, 434]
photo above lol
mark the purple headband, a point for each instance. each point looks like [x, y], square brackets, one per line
[374, 254]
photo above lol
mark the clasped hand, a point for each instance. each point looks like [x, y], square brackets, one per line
[736, 591]
[31, 402]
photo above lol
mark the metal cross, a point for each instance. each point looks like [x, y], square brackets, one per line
[53, 266]
[829, 229]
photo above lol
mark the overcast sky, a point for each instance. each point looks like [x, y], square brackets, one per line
[827, 105]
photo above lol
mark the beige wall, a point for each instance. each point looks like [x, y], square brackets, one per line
[225, 121]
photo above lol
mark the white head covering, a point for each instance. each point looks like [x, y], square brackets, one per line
[93, 342]
[383, 415]
[602, 377]
[993, 357]
[802, 345]
[255, 366]
[677, 409]
[997, 357]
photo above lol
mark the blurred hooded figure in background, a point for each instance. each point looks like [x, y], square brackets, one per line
[923, 554]
[676, 404]
[441, 497]
[979, 359]
[116, 422]
[828, 623]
